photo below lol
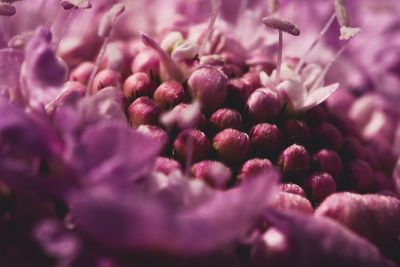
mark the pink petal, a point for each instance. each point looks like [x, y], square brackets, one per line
[319, 95]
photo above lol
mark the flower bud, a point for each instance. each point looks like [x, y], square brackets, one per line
[238, 93]
[374, 217]
[263, 105]
[294, 161]
[266, 139]
[359, 175]
[253, 167]
[178, 118]
[320, 185]
[328, 161]
[288, 201]
[253, 80]
[143, 111]
[352, 148]
[231, 145]
[226, 118]
[166, 165]
[208, 85]
[137, 85]
[328, 136]
[292, 188]
[169, 94]
[192, 144]
[316, 115]
[82, 72]
[297, 131]
[156, 132]
[146, 61]
[106, 78]
[214, 173]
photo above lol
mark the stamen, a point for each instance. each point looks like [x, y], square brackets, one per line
[341, 13]
[169, 64]
[106, 25]
[280, 52]
[207, 36]
[347, 33]
[7, 10]
[273, 6]
[64, 29]
[314, 43]
[318, 82]
[282, 26]
[77, 4]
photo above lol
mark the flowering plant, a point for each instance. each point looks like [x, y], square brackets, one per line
[186, 133]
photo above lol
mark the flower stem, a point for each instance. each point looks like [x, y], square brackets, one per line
[97, 65]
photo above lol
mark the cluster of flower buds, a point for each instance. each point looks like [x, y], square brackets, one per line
[223, 126]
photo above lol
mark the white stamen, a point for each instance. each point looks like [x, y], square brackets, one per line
[104, 31]
[273, 6]
[281, 24]
[169, 64]
[321, 78]
[347, 33]
[341, 13]
[64, 29]
[314, 43]
[280, 52]
[207, 36]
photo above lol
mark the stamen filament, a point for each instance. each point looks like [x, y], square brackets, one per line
[280, 52]
[314, 43]
[207, 36]
[97, 65]
[327, 67]
[64, 29]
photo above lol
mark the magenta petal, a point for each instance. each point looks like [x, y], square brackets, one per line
[317, 241]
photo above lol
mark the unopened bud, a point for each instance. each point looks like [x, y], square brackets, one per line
[137, 85]
[231, 145]
[226, 118]
[212, 172]
[192, 144]
[166, 165]
[169, 94]
[82, 72]
[208, 85]
[143, 111]
[319, 186]
[297, 131]
[253, 167]
[263, 105]
[328, 136]
[328, 161]
[292, 189]
[266, 139]
[106, 78]
[294, 161]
